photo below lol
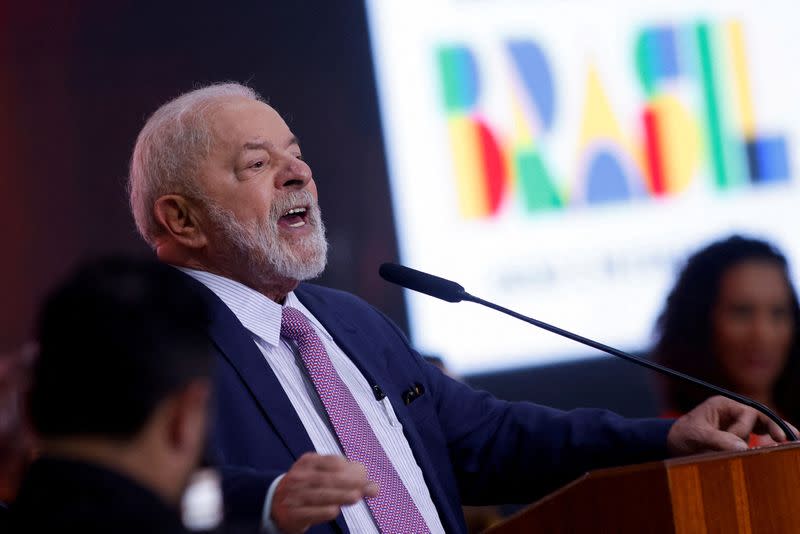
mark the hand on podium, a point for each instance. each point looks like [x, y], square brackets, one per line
[719, 424]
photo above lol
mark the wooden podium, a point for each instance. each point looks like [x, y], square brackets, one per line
[751, 492]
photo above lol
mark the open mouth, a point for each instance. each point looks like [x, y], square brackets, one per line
[295, 217]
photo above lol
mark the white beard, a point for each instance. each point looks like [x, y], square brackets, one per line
[261, 246]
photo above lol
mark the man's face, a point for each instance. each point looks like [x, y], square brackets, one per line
[261, 197]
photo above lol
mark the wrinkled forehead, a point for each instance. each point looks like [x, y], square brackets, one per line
[238, 120]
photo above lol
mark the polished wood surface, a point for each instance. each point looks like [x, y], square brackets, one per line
[751, 492]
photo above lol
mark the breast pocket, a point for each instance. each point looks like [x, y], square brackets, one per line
[418, 404]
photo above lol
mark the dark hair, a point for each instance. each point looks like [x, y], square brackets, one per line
[684, 330]
[116, 338]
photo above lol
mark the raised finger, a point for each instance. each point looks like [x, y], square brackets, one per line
[323, 462]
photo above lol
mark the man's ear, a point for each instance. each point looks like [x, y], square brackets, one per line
[178, 218]
[188, 417]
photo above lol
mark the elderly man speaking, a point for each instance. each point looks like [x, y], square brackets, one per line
[314, 427]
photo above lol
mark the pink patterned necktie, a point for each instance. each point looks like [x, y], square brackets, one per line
[393, 509]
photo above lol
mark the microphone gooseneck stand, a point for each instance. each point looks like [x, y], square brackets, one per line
[450, 291]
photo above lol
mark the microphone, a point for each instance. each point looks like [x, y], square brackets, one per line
[450, 291]
[434, 286]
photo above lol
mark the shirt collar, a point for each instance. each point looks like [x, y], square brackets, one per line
[258, 313]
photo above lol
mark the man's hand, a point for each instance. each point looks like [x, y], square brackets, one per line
[719, 424]
[314, 490]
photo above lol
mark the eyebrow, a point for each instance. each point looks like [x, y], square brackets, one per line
[264, 145]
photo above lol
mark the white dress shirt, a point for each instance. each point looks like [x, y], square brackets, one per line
[262, 318]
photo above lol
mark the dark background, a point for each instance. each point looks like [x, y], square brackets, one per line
[80, 78]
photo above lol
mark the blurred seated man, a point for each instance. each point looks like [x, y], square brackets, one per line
[118, 398]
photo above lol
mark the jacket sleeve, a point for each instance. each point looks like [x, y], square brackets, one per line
[504, 452]
[518, 451]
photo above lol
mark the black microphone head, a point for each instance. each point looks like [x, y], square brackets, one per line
[422, 282]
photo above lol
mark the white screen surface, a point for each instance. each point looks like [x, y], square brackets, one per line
[562, 157]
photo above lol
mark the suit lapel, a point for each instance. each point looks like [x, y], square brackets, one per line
[238, 348]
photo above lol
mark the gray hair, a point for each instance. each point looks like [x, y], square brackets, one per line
[169, 150]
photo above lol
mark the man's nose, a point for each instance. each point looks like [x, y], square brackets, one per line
[293, 174]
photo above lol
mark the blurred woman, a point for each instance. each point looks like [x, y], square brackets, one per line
[732, 319]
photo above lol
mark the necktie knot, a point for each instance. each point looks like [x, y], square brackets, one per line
[295, 325]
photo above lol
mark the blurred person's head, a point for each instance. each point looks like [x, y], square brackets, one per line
[218, 183]
[123, 372]
[732, 319]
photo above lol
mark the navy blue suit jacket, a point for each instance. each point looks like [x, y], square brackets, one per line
[472, 448]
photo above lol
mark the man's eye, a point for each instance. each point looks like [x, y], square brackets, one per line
[257, 165]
